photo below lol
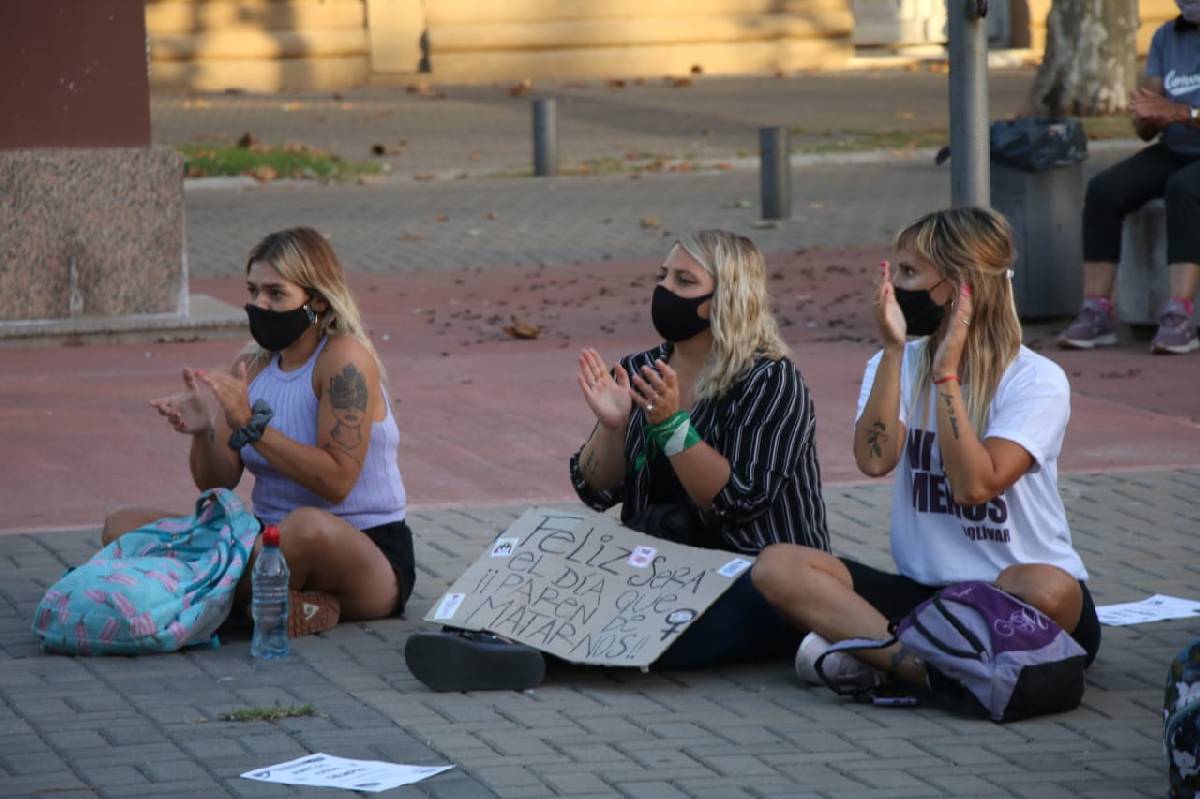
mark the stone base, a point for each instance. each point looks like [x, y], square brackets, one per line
[206, 318]
[91, 233]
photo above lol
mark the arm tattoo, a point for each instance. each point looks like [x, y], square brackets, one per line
[876, 437]
[949, 400]
[348, 395]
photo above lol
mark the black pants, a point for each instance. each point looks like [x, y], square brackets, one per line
[1126, 186]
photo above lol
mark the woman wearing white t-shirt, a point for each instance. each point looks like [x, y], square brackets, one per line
[972, 422]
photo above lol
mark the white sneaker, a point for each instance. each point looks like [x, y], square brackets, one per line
[842, 668]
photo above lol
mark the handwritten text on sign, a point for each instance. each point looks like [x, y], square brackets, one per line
[580, 586]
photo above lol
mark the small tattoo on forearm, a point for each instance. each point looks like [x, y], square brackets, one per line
[349, 397]
[876, 437]
[949, 400]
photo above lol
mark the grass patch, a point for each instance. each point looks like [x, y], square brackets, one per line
[268, 713]
[840, 141]
[266, 162]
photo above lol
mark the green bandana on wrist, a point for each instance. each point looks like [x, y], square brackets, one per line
[674, 434]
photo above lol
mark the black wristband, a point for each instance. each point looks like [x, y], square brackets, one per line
[253, 430]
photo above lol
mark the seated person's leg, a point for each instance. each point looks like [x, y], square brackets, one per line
[1176, 330]
[840, 599]
[740, 627]
[1060, 596]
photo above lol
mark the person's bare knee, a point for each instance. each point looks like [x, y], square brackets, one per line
[1048, 588]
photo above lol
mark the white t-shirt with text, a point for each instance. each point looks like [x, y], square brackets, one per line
[937, 541]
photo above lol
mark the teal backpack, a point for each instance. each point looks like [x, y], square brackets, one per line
[1181, 723]
[159, 588]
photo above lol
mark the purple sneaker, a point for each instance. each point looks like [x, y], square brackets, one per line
[1176, 331]
[1093, 327]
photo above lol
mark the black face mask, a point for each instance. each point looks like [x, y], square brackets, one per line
[922, 315]
[675, 317]
[278, 330]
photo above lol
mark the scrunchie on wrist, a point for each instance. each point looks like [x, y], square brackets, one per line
[261, 414]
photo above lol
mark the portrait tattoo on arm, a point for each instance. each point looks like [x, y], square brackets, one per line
[876, 437]
[349, 397]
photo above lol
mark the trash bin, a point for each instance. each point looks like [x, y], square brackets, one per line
[1037, 183]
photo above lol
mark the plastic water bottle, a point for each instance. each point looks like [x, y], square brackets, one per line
[269, 599]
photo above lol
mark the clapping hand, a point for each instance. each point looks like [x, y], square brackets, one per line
[892, 327]
[187, 412]
[606, 395]
[1151, 107]
[231, 393]
[949, 352]
[656, 391]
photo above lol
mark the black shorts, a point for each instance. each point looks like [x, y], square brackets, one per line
[395, 541]
[895, 596]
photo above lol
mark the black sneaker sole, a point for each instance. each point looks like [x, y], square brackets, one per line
[450, 662]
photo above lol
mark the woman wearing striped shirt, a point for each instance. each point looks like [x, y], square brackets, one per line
[305, 411]
[707, 439]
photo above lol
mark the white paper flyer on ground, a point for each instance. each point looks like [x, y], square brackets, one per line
[329, 771]
[1159, 607]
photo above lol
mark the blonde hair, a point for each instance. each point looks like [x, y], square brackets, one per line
[972, 246]
[305, 257]
[741, 320]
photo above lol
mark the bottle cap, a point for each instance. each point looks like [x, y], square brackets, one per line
[270, 536]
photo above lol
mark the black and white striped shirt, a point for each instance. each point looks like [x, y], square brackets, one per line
[765, 426]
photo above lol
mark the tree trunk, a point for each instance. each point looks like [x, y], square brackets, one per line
[1090, 63]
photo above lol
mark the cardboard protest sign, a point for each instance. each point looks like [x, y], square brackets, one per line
[580, 586]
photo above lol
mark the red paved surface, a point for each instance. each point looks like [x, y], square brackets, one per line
[485, 418]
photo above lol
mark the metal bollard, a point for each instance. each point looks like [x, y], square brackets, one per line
[775, 169]
[545, 138]
[970, 148]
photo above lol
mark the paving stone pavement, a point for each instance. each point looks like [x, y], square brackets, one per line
[148, 726]
[404, 225]
[485, 130]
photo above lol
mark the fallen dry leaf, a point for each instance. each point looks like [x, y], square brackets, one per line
[474, 155]
[905, 115]
[615, 83]
[372, 180]
[523, 330]
[292, 106]
[651, 222]
[423, 176]
[194, 171]
[441, 218]
[679, 83]
[389, 149]
[262, 173]
[247, 140]
[697, 69]
[521, 88]
[491, 215]
[196, 102]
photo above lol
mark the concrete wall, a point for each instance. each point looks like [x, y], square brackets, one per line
[482, 40]
[259, 45]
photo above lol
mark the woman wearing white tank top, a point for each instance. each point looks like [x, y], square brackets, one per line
[304, 409]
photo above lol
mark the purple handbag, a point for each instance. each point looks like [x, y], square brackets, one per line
[988, 653]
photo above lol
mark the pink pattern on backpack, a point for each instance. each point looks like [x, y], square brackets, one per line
[109, 631]
[99, 597]
[43, 619]
[178, 630]
[121, 579]
[124, 605]
[169, 582]
[170, 525]
[141, 625]
[82, 642]
[64, 608]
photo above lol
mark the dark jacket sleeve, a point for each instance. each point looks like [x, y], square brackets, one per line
[769, 425]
